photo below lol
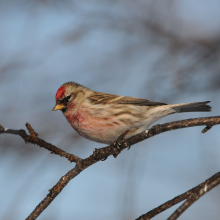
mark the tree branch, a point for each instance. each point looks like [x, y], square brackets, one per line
[192, 195]
[202, 190]
[33, 138]
[101, 153]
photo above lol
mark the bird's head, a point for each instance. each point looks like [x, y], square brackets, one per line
[68, 95]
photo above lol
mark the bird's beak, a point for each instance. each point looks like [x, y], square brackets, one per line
[59, 107]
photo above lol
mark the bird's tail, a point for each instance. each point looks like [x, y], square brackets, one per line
[192, 107]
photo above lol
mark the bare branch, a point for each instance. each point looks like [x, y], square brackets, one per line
[201, 190]
[195, 192]
[8, 131]
[33, 138]
[54, 192]
[102, 153]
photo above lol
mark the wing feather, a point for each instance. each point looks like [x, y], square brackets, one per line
[105, 98]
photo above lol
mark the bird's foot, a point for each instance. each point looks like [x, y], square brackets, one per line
[117, 143]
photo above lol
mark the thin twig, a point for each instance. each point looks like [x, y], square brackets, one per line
[206, 129]
[33, 138]
[31, 130]
[8, 131]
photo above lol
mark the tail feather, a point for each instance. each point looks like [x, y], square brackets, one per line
[192, 107]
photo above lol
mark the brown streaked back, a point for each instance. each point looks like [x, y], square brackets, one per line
[105, 98]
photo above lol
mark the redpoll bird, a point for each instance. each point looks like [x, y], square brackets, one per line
[103, 117]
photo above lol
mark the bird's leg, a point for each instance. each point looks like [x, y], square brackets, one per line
[120, 138]
[116, 144]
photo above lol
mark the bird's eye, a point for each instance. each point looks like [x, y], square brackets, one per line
[68, 97]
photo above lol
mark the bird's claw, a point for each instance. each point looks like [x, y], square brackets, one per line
[117, 146]
[117, 142]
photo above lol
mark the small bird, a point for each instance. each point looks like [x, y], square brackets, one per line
[103, 117]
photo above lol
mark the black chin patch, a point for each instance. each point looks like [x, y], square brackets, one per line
[64, 110]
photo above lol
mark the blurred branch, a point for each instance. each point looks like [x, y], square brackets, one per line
[102, 153]
[201, 190]
[191, 196]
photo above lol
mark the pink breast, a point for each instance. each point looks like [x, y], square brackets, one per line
[90, 125]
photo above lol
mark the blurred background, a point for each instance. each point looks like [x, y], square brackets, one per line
[162, 50]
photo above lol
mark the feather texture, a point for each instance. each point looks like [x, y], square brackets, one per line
[104, 98]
